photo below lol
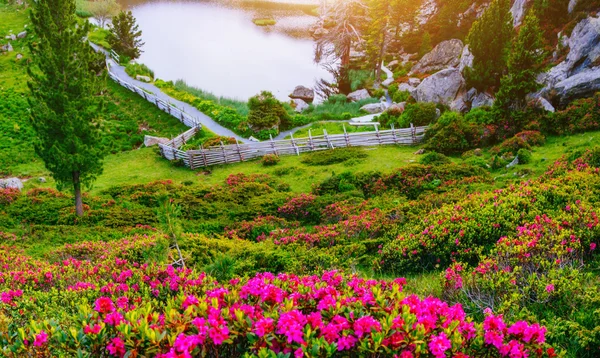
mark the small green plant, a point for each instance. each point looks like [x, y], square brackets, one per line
[270, 160]
[434, 158]
[524, 156]
[264, 22]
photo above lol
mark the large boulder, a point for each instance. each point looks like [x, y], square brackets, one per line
[150, 140]
[299, 105]
[580, 85]
[442, 87]
[408, 88]
[304, 93]
[373, 108]
[11, 183]
[426, 11]
[445, 54]
[359, 95]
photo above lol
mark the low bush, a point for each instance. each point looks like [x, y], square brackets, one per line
[452, 134]
[522, 140]
[270, 160]
[135, 69]
[434, 158]
[524, 156]
[333, 156]
[581, 115]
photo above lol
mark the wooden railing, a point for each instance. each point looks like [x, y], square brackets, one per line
[233, 153]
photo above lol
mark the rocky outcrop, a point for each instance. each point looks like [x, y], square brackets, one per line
[150, 140]
[482, 99]
[442, 87]
[572, 5]
[373, 108]
[359, 95]
[579, 74]
[11, 183]
[445, 54]
[427, 10]
[143, 78]
[518, 10]
[299, 105]
[581, 85]
[304, 93]
[466, 59]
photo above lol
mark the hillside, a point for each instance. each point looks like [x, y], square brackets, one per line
[481, 241]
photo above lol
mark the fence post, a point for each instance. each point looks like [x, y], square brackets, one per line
[377, 133]
[239, 151]
[413, 132]
[273, 145]
[191, 159]
[294, 144]
[224, 153]
[346, 136]
[327, 139]
[394, 134]
[203, 155]
[310, 141]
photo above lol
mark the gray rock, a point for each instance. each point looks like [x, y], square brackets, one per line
[42, 179]
[396, 108]
[143, 78]
[252, 139]
[414, 81]
[408, 88]
[584, 45]
[359, 95]
[19, 57]
[466, 59]
[420, 152]
[150, 140]
[580, 85]
[7, 48]
[572, 5]
[427, 10]
[518, 10]
[304, 93]
[22, 34]
[438, 113]
[299, 105]
[471, 94]
[387, 82]
[441, 87]
[460, 104]
[445, 54]
[11, 183]
[11, 37]
[544, 104]
[373, 108]
[393, 63]
[482, 99]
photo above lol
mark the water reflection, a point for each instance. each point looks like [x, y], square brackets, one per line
[216, 47]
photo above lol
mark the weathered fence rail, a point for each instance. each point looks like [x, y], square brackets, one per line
[233, 153]
[182, 116]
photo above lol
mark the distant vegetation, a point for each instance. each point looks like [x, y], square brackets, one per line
[264, 22]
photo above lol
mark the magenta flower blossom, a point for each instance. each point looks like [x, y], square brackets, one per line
[104, 305]
[116, 347]
[364, 326]
[439, 345]
[263, 327]
[550, 288]
[40, 339]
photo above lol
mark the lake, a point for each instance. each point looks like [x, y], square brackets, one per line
[215, 46]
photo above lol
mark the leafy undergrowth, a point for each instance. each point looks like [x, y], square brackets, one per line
[100, 301]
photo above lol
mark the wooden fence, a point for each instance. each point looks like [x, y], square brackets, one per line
[162, 105]
[233, 153]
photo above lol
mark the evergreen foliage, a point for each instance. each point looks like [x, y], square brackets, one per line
[488, 42]
[426, 46]
[376, 34]
[63, 107]
[125, 36]
[266, 111]
[524, 64]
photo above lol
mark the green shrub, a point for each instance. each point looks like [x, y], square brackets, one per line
[477, 162]
[401, 96]
[135, 69]
[453, 134]
[270, 160]
[581, 115]
[333, 156]
[524, 156]
[419, 114]
[522, 140]
[481, 115]
[434, 158]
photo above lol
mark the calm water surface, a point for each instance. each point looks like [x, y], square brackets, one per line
[216, 47]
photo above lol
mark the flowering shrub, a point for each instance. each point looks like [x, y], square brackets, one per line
[8, 195]
[115, 307]
[297, 207]
[522, 140]
[270, 160]
[581, 115]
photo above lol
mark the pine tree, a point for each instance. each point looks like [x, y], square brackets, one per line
[489, 40]
[376, 34]
[266, 111]
[402, 12]
[125, 35]
[524, 63]
[63, 105]
[426, 46]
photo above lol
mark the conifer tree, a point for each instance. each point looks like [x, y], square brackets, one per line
[376, 34]
[524, 63]
[426, 46]
[125, 36]
[63, 105]
[488, 40]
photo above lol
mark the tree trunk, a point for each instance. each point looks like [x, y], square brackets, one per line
[77, 190]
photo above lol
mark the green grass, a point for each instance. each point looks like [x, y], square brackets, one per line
[135, 69]
[240, 106]
[12, 72]
[317, 128]
[264, 22]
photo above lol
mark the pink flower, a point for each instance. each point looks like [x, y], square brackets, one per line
[364, 325]
[123, 302]
[291, 324]
[263, 326]
[439, 344]
[346, 342]
[114, 319]
[116, 347]
[40, 339]
[592, 246]
[189, 301]
[550, 288]
[104, 305]
[92, 330]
